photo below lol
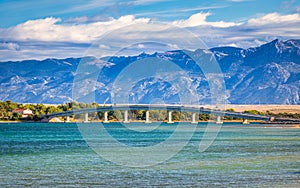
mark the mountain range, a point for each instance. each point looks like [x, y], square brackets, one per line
[267, 74]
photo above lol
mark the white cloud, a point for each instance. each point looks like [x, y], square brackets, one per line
[173, 46]
[255, 31]
[49, 29]
[102, 46]
[274, 18]
[141, 46]
[51, 37]
[231, 45]
[199, 19]
[54, 30]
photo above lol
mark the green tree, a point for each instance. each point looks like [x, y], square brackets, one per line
[230, 110]
[255, 112]
[176, 116]
[204, 117]
[158, 115]
[52, 109]
[118, 115]
[16, 116]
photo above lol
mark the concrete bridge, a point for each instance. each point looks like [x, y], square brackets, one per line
[169, 108]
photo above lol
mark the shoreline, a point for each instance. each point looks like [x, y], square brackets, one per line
[255, 123]
[274, 108]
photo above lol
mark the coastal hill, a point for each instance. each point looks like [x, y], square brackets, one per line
[267, 74]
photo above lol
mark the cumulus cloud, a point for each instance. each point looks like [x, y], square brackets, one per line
[199, 19]
[54, 30]
[253, 32]
[274, 18]
[52, 37]
[49, 29]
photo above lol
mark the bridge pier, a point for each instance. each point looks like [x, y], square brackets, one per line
[147, 117]
[105, 117]
[86, 117]
[126, 117]
[194, 119]
[45, 119]
[170, 117]
[219, 120]
[67, 119]
[245, 121]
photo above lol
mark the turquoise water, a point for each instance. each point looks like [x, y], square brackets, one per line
[56, 155]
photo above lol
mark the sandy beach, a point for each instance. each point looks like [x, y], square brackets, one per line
[262, 108]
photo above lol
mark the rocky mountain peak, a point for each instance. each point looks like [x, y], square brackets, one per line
[268, 74]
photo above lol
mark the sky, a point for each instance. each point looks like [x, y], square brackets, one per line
[31, 29]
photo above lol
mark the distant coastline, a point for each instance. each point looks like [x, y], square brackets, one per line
[274, 108]
[14, 112]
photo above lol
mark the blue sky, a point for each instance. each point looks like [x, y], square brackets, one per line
[66, 28]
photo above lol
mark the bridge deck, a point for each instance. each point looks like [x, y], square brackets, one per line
[181, 108]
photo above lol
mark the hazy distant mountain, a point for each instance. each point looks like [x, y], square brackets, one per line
[268, 74]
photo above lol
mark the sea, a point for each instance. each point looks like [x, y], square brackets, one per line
[148, 155]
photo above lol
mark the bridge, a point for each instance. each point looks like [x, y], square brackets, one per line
[169, 108]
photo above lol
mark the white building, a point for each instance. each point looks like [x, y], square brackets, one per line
[23, 112]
